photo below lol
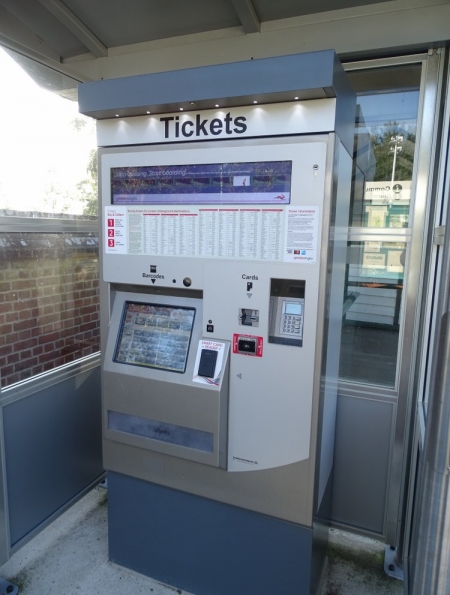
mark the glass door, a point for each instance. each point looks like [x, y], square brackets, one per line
[385, 259]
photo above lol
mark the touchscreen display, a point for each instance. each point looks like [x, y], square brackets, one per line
[155, 336]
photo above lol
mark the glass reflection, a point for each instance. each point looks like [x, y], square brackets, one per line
[371, 321]
[49, 301]
[385, 139]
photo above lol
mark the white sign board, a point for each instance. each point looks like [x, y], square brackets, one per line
[388, 192]
[299, 117]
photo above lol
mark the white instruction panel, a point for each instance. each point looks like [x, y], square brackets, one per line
[116, 235]
[302, 232]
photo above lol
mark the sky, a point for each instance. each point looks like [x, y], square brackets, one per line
[389, 107]
[42, 155]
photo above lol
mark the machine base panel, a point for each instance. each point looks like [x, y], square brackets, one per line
[203, 546]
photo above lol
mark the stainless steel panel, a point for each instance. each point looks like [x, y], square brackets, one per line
[428, 529]
[432, 544]
[332, 286]
[44, 381]
[282, 492]
[361, 462]
[4, 514]
[383, 62]
[38, 225]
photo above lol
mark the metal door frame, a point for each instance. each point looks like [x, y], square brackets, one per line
[417, 238]
[427, 520]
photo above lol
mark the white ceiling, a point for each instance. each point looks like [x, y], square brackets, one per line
[64, 30]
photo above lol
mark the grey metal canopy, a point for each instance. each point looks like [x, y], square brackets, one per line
[315, 75]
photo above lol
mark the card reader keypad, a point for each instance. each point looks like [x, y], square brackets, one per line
[291, 324]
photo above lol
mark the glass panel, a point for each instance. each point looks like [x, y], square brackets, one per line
[48, 150]
[162, 431]
[370, 332]
[49, 301]
[385, 138]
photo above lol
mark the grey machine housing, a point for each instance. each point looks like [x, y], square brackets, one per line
[184, 507]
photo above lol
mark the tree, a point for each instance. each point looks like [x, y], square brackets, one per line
[79, 123]
[88, 188]
[381, 144]
[57, 197]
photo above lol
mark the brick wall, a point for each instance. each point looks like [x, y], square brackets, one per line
[49, 301]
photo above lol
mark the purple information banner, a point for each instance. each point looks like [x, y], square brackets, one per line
[262, 182]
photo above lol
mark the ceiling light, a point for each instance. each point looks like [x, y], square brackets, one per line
[295, 97]
[217, 105]
[255, 102]
[181, 109]
[117, 115]
[148, 112]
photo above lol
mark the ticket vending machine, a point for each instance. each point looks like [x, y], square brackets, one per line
[224, 205]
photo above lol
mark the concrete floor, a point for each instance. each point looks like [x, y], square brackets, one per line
[356, 567]
[70, 557]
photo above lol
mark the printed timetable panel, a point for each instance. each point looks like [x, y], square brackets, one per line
[262, 182]
[287, 234]
[214, 232]
[155, 336]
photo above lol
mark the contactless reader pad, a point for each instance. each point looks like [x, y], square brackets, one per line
[207, 365]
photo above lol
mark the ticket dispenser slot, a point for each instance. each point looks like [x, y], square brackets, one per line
[248, 317]
[286, 312]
